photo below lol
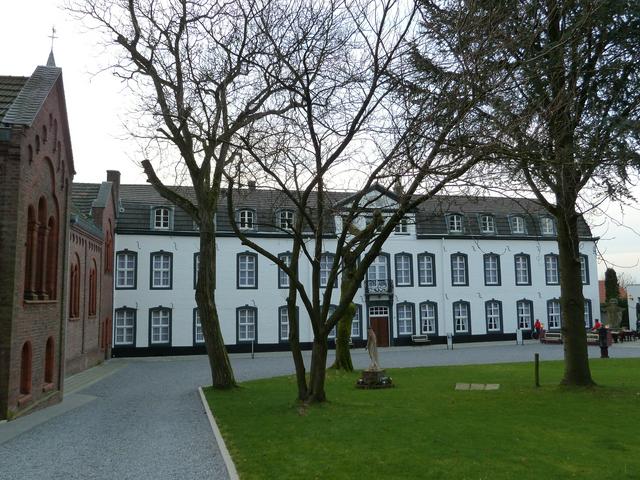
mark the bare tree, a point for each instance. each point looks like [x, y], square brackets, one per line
[358, 120]
[202, 71]
[566, 124]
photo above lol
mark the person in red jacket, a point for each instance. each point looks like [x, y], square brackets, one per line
[597, 325]
[538, 328]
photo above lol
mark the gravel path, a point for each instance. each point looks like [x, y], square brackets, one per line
[146, 420]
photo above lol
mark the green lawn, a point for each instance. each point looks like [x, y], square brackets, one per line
[423, 428]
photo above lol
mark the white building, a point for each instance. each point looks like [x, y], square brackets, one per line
[478, 268]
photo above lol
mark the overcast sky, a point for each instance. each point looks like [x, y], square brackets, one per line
[97, 107]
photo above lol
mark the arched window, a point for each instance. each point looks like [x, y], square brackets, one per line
[74, 288]
[37, 144]
[41, 249]
[108, 250]
[44, 134]
[25, 369]
[55, 135]
[49, 360]
[30, 254]
[93, 288]
[52, 259]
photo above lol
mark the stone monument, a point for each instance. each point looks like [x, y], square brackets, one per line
[373, 376]
[614, 314]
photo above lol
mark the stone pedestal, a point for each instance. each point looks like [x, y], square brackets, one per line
[374, 379]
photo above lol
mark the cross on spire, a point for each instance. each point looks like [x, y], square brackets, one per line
[51, 61]
[52, 36]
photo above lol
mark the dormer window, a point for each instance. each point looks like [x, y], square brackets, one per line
[487, 224]
[402, 226]
[246, 219]
[161, 218]
[285, 219]
[517, 225]
[454, 222]
[547, 227]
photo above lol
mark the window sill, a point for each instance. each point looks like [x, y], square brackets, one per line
[46, 387]
[24, 400]
[40, 302]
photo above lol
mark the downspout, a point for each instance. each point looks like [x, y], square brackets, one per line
[444, 302]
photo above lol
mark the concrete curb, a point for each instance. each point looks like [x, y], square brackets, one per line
[228, 461]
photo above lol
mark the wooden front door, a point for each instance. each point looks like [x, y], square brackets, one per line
[381, 328]
[379, 321]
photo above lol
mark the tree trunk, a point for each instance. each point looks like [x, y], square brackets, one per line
[343, 335]
[576, 358]
[221, 372]
[318, 370]
[296, 352]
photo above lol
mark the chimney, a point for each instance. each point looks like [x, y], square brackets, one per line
[113, 176]
[252, 185]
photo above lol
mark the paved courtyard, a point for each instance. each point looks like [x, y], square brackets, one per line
[142, 418]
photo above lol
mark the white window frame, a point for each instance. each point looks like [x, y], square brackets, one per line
[246, 219]
[547, 226]
[426, 269]
[356, 330]
[405, 318]
[161, 272]
[326, 263]
[455, 223]
[283, 278]
[376, 267]
[487, 224]
[584, 269]
[402, 226]
[160, 326]
[458, 269]
[246, 324]
[198, 335]
[124, 326]
[125, 272]
[247, 270]
[286, 219]
[491, 270]
[587, 313]
[494, 316]
[551, 270]
[428, 317]
[461, 317]
[283, 324]
[403, 270]
[517, 225]
[524, 314]
[554, 315]
[332, 333]
[161, 218]
[522, 269]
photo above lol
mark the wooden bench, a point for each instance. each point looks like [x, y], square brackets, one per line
[551, 337]
[420, 339]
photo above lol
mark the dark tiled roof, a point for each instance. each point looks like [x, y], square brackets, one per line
[9, 89]
[83, 195]
[82, 221]
[27, 103]
[138, 200]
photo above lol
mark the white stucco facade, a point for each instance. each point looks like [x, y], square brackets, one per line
[266, 299]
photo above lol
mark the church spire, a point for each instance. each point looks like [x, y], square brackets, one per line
[51, 62]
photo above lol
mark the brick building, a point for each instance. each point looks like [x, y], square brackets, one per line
[93, 215]
[36, 171]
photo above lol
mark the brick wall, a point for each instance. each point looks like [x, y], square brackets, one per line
[38, 169]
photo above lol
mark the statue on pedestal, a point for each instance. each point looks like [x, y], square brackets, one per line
[372, 348]
[614, 314]
[373, 376]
